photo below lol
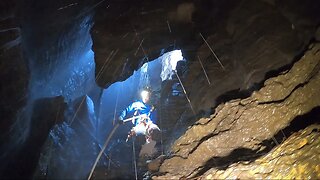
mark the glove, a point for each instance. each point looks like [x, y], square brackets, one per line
[119, 121]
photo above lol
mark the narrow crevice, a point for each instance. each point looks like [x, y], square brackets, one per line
[156, 174]
[235, 94]
[282, 69]
[213, 134]
[314, 73]
[286, 97]
[249, 155]
[237, 155]
[206, 138]
[202, 140]
[175, 155]
[299, 123]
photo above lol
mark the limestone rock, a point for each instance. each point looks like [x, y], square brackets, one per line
[153, 165]
[246, 123]
[296, 158]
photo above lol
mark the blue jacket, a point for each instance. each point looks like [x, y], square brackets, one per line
[137, 108]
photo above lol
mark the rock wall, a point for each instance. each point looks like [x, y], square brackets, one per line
[246, 123]
[252, 39]
[14, 74]
[45, 51]
[249, 37]
[296, 158]
[72, 146]
[22, 161]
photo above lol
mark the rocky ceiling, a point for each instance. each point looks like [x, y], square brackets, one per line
[240, 43]
[250, 38]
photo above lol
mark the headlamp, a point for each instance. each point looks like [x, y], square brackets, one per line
[144, 94]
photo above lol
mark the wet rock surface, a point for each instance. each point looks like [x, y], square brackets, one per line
[14, 72]
[46, 113]
[245, 123]
[296, 158]
[71, 146]
[154, 165]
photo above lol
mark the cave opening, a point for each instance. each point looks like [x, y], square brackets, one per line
[154, 74]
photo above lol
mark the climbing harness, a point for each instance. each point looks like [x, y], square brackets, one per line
[142, 127]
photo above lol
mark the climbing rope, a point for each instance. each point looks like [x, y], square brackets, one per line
[213, 52]
[111, 55]
[185, 92]
[103, 148]
[134, 159]
[115, 107]
[161, 139]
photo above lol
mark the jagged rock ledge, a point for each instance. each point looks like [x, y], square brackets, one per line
[296, 158]
[246, 123]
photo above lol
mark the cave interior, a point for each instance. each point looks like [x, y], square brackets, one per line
[232, 81]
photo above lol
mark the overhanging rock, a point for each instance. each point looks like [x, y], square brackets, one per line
[245, 123]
